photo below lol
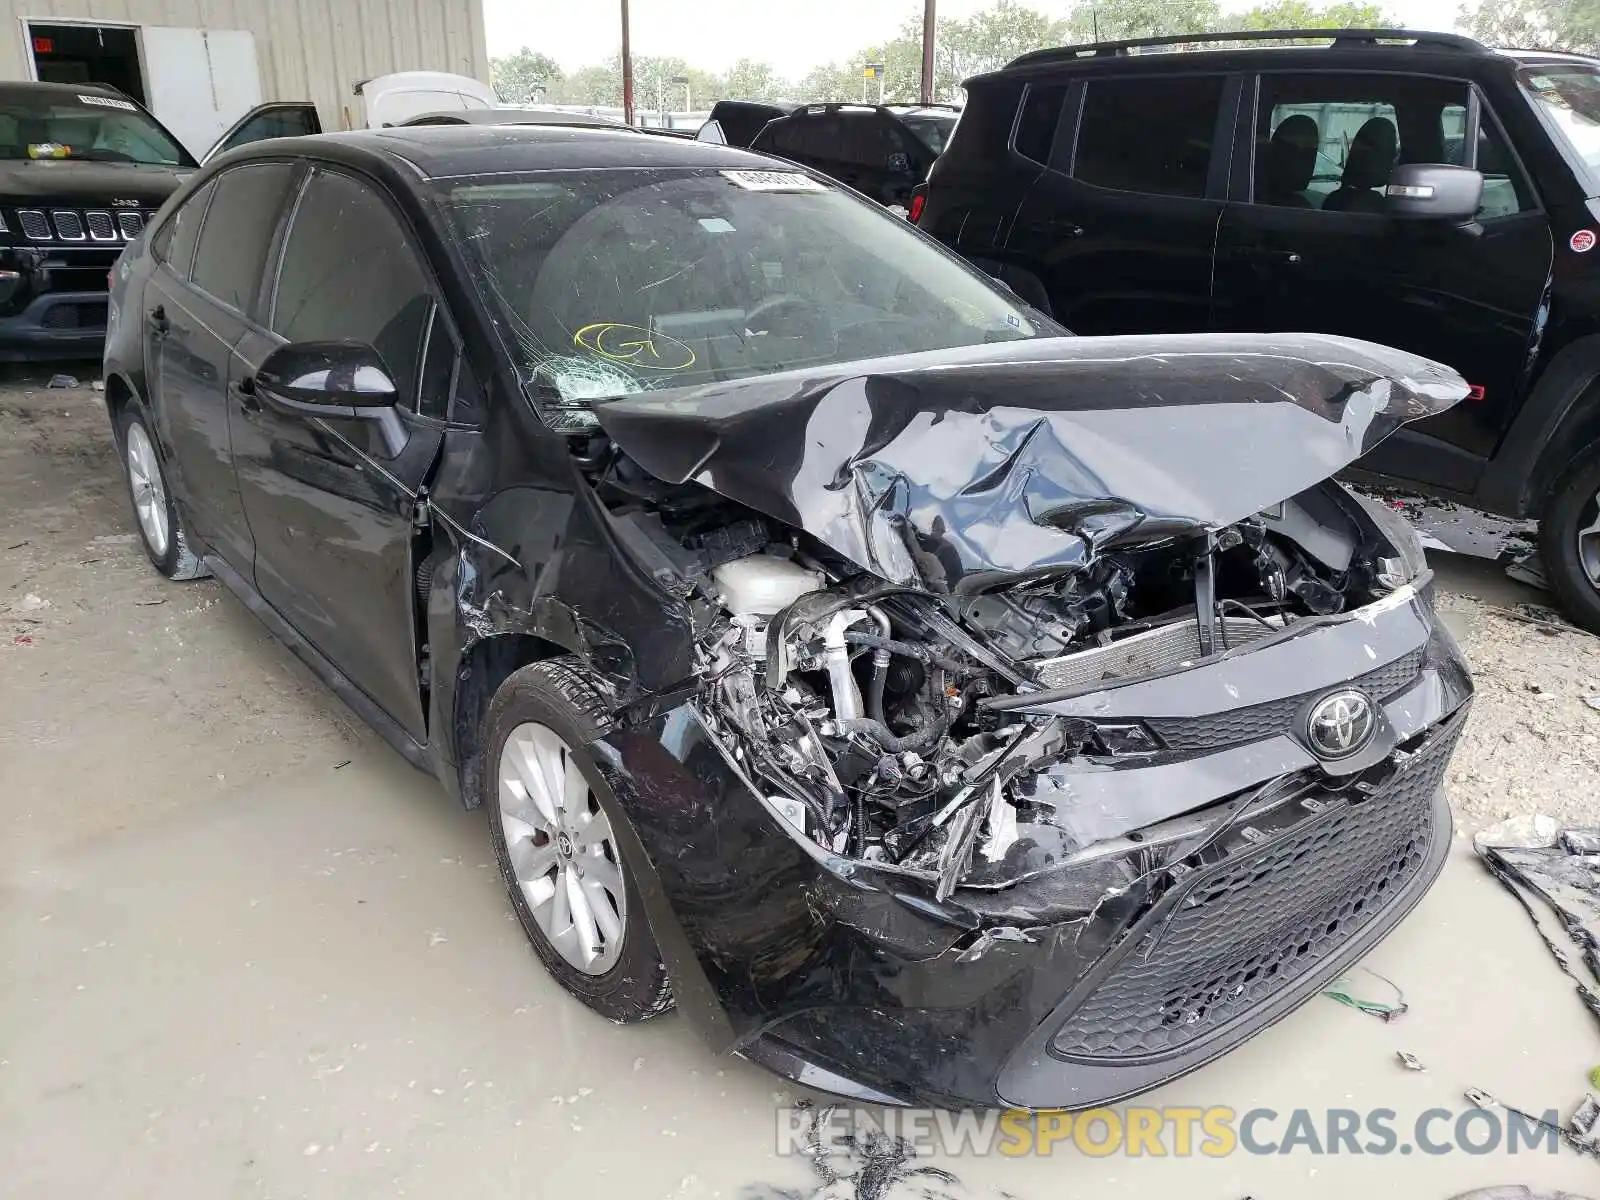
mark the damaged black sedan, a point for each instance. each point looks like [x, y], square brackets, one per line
[938, 708]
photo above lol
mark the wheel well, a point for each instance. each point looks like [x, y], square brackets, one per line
[118, 396]
[1576, 435]
[483, 668]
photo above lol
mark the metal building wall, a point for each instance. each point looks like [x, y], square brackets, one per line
[306, 49]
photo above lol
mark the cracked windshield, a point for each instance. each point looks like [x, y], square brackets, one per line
[610, 282]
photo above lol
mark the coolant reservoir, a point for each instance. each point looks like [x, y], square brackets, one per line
[763, 584]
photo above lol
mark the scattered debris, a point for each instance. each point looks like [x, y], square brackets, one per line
[1585, 1125]
[1593, 701]
[1580, 1131]
[151, 603]
[1409, 1061]
[1529, 569]
[859, 1166]
[341, 766]
[22, 639]
[30, 603]
[1531, 831]
[1594, 1078]
[63, 381]
[98, 385]
[1563, 872]
[1341, 991]
[17, 546]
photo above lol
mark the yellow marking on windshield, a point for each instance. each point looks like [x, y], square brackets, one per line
[635, 345]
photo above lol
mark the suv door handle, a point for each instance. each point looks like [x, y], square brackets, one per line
[1266, 254]
[159, 324]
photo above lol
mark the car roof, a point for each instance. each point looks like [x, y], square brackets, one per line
[64, 90]
[511, 116]
[448, 151]
[1348, 48]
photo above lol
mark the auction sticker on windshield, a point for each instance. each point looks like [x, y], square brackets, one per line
[109, 102]
[773, 181]
[1583, 241]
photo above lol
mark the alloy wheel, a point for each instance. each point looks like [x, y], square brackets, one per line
[1589, 539]
[149, 492]
[562, 849]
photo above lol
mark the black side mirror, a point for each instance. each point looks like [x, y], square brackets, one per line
[326, 379]
[1434, 192]
[335, 381]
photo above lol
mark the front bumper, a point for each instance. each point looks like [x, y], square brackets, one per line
[1106, 974]
[55, 325]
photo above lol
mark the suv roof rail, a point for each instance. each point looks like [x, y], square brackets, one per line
[1342, 39]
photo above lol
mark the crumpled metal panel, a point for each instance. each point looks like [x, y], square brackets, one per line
[958, 469]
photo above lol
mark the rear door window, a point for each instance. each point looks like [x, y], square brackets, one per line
[1039, 121]
[1153, 136]
[238, 228]
[174, 242]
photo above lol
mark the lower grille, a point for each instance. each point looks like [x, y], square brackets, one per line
[1251, 927]
[74, 316]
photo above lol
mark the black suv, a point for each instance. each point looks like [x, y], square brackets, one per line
[884, 153]
[1414, 189]
[82, 168]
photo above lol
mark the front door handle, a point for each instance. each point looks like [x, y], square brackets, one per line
[159, 325]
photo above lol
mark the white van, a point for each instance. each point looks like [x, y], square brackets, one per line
[386, 100]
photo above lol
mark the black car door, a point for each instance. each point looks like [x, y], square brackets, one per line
[278, 119]
[1308, 245]
[1121, 227]
[196, 305]
[332, 501]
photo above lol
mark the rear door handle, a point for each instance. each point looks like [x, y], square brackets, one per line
[1268, 254]
[159, 324]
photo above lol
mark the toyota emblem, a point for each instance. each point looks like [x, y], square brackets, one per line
[1341, 724]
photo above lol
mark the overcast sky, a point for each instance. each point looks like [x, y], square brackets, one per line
[793, 37]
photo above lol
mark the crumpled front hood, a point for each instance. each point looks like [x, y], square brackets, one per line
[957, 469]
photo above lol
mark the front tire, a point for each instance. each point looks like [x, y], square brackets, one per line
[160, 524]
[567, 879]
[1569, 540]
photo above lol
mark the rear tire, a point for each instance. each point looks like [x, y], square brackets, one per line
[1569, 540]
[568, 882]
[155, 514]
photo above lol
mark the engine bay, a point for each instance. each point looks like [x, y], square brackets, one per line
[873, 717]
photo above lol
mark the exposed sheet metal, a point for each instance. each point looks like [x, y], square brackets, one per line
[958, 469]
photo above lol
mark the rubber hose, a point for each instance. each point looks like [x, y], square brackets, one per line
[904, 649]
[880, 675]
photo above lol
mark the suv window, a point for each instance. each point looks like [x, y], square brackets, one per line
[1149, 135]
[1041, 117]
[174, 242]
[1330, 142]
[237, 231]
[349, 274]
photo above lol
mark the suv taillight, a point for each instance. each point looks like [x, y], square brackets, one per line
[919, 201]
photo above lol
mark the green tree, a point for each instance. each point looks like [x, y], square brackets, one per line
[1300, 14]
[523, 76]
[751, 80]
[1115, 20]
[599, 85]
[1572, 25]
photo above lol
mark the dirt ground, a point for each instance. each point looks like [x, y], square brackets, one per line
[248, 952]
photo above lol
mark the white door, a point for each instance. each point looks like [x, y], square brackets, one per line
[199, 81]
